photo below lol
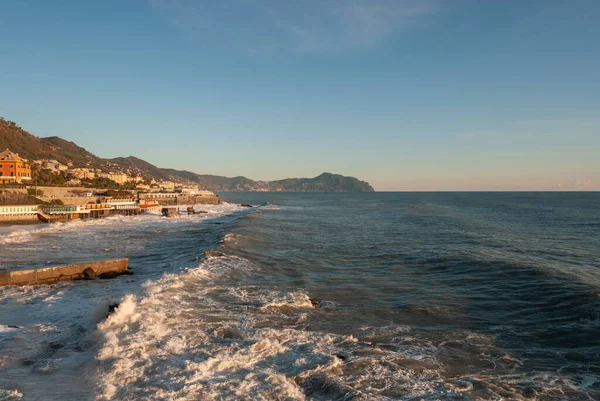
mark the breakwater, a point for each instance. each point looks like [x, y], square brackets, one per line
[51, 275]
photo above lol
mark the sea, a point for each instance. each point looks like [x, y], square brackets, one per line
[315, 296]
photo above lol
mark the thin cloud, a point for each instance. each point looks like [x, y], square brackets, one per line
[309, 26]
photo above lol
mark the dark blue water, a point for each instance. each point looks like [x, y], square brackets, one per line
[500, 288]
[379, 296]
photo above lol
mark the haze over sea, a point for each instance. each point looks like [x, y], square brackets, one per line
[315, 296]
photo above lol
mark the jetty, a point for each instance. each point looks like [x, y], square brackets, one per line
[51, 275]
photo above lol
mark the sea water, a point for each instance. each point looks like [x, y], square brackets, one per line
[379, 296]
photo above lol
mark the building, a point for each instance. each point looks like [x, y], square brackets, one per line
[119, 178]
[188, 189]
[167, 185]
[55, 166]
[149, 206]
[13, 168]
[82, 173]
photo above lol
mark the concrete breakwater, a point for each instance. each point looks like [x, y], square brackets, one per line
[51, 275]
[173, 198]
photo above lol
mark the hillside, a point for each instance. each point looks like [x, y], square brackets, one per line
[31, 147]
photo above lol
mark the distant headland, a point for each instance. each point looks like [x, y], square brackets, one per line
[55, 161]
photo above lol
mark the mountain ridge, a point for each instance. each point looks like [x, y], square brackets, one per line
[56, 148]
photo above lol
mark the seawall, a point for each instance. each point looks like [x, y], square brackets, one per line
[51, 275]
[170, 200]
[19, 219]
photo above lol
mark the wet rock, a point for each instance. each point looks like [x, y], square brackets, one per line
[89, 273]
[10, 326]
[109, 275]
[341, 356]
[111, 309]
[246, 205]
[315, 302]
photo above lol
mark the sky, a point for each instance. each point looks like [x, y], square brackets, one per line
[408, 95]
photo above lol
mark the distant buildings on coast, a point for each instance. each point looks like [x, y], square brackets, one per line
[17, 170]
[60, 203]
[103, 206]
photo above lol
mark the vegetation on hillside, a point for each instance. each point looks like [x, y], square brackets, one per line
[55, 148]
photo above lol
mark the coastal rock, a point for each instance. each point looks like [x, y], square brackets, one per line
[246, 205]
[315, 303]
[110, 275]
[89, 274]
[112, 308]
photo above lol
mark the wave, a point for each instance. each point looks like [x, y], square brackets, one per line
[198, 336]
[23, 234]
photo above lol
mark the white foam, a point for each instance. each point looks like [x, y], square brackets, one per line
[6, 395]
[24, 234]
[188, 337]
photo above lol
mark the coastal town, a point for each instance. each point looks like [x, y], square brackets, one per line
[126, 195]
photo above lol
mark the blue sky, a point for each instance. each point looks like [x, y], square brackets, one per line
[406, 94]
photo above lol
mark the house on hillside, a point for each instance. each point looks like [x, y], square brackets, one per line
[119, 178]
[55, 166]
[13, 168]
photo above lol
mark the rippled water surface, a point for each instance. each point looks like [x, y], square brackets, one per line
[379, 296]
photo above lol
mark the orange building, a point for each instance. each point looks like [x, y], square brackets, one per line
[13, 168]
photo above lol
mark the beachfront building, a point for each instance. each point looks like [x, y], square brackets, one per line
[98, 210]
[126, 206]
[18, 213]
[149, 206]
[18, 210]
[13, 168]
[55, 213]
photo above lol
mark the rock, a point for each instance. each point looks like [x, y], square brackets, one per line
[110, 275]
[111, 309]
[246, 205]
[89, 273]
[315, 302]
[10, 326]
